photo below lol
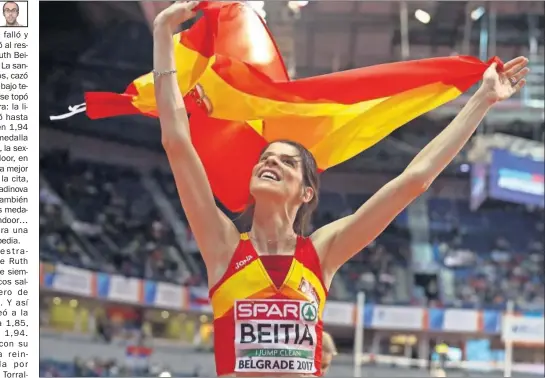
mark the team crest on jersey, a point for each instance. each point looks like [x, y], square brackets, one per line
[309, 291]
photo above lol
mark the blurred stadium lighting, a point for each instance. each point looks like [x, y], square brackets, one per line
[296, 5]
[422, 16]
[477, 13]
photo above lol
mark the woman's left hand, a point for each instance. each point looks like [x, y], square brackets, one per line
[499, 86]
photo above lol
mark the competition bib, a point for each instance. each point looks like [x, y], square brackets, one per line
[275, 336]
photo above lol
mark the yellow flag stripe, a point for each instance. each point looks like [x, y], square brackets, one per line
[372, 126]
[333, 132]
[190, 66]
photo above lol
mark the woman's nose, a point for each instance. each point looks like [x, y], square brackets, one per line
[271, 160]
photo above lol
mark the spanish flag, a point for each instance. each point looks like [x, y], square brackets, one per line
[240, 97]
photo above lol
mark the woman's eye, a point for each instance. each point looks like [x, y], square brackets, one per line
[289, 162]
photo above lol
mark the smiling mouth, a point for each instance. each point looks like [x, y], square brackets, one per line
[269, 175]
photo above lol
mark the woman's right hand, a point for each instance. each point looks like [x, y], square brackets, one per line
[175, 14]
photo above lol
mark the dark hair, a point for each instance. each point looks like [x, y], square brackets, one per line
[9, 2]
[310, 179]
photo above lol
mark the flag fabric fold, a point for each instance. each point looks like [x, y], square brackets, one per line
[240, 97]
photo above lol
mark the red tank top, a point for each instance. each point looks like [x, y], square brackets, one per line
[277, 267]
[269, 321]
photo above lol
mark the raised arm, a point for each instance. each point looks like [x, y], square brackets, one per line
[339, 241]
[214, 233]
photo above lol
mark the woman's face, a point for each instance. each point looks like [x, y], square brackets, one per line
[278, 173]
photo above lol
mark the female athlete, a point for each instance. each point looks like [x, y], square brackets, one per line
[268, 286]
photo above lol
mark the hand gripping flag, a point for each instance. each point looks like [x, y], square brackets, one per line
[238, 93]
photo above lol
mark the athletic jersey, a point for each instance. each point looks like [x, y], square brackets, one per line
[277, 267]
[265, 329]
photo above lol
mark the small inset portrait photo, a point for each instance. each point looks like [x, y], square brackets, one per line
[15, 14]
